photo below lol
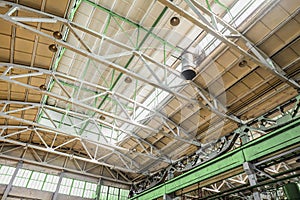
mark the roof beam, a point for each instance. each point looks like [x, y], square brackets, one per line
[259, 58]
[9, 152]
[113, 147]
[57, 152]
[158, 84]
[81, 102]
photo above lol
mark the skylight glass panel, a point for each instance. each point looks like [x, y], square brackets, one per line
[90, 190]
[103, 192]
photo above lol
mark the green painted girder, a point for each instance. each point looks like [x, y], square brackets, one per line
[148, 34]
[278, 140]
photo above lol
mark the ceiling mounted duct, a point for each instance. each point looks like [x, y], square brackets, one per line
[191, 58]
[188, 66]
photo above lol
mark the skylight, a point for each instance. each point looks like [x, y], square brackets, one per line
[209, 43]
[93, 131]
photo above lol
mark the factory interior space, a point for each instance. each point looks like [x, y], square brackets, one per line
[149, 99]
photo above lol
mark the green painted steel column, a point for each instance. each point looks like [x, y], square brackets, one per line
[292, 191]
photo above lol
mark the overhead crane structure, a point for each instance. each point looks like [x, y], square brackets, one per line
[269, 149]
[279, 143]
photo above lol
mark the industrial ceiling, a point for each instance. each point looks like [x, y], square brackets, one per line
[95, 87]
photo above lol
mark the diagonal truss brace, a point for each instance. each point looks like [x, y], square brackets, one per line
[259, 58]
[92, 55]
[100, 144]
[87, 52]
[81, 102]
[28, 155]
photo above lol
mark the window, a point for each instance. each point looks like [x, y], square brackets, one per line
[113, 193]
[90, 190]
[50, 183]
[103, 192]
[65, 186]
[22, 178]
[77, 188]
[123, 194]
[6, 173]
[36, 181]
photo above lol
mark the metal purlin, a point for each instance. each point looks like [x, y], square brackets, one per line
[131, 58]
[259, 58]
[64, 49]
[58, 57]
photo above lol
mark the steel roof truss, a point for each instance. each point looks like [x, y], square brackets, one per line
[56, 75]
[259, 58]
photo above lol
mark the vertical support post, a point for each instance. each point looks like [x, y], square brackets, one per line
[8, 187]
[249, 169]
[54, 197]
[244, 136]
[107, 192]
[99, 189]
[167, 197]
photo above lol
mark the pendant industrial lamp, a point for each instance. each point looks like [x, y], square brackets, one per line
[174, 21]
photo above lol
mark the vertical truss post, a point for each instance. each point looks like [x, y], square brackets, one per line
[249, 169]
[99, 189]
[54, 197]
[8, 187]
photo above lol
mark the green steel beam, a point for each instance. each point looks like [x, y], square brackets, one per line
[149, 32]
[273, 142]
[113, 14]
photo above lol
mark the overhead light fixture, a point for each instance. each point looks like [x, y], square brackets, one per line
[102, 118]
[128, 79]
[174, 21]
[53, 48]
[57, 35]
[190, 106]
[43, 87]
[243, 63]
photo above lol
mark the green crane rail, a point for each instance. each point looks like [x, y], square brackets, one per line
[277, 141]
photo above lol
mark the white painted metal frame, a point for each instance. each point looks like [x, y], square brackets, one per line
[180, 134]
[259, 58]
[153, 153]
[161, 84]
[32, 156]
